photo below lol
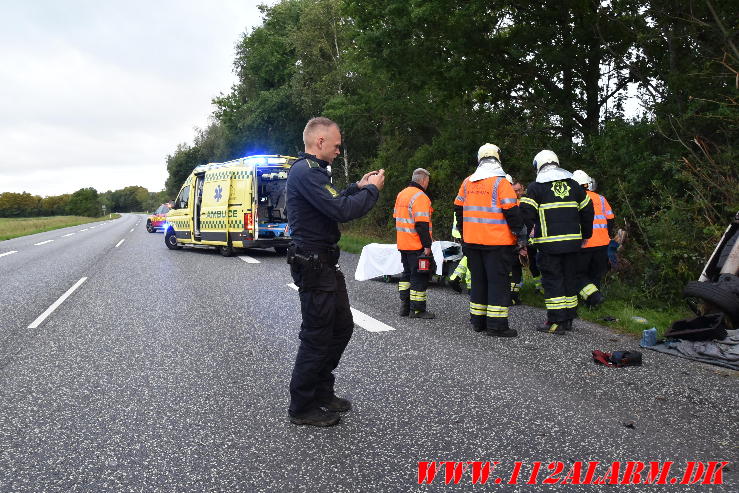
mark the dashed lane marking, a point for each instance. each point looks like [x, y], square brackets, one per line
[69, 234]
[131, 231]
[43, 242]
[119, 243]
[362, 319]
[249, 260]
[8, 253]
[56, 304]
[83, 230]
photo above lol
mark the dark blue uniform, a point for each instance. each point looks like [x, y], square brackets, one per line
[314, 211]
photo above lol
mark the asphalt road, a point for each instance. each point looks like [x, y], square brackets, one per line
[168, 371]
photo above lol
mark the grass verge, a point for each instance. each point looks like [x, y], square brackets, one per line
[13, 227]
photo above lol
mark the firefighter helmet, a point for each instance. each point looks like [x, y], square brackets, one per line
[488, 150]
[582, 178]
[545, 157]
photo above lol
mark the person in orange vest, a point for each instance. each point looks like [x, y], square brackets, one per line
[593, 262]
[412, 215]
[491, 227]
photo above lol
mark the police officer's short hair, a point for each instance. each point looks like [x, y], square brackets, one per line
[313, 124]
[420, 173]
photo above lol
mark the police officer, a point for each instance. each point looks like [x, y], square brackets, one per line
[593, 263]
[412, 213]
[562, 213]
[491, 226]
[314, 211]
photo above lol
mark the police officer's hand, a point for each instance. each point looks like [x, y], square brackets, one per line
[377, 179]
[364, 182]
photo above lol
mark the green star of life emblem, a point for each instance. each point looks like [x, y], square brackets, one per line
[561, 189]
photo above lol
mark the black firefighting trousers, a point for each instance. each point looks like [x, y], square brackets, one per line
[324, 334]
[591, 269]
[490, 295]
[413, 284]
[559, 279]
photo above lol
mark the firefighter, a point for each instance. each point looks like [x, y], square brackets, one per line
[461, 273]
[412, 215]
[315, 209]
[517, 268]
[562, 213]
[491, 227]
[593, 263]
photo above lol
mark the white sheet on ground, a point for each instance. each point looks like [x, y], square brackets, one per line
[381, 259]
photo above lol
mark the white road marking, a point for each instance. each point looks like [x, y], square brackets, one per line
[56, 304]
[43, 242]
[249, 260]
[83, 230]
[92, 227]
[362, 319]
[8, 253]
[70, 234]
[119, 243]
[131, 230]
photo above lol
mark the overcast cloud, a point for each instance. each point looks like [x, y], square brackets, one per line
[96, 94]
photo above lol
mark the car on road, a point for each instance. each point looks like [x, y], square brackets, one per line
[158, 219]
[235, 204]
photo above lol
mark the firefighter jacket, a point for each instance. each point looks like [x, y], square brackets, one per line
[562, 213]
[412, 215]
[602, 221]
[487, 213]
[315, 208]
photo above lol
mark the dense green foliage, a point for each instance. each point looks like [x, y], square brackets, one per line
[83, 202]
[641, 95]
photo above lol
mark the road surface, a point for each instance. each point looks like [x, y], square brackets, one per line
[125, 366]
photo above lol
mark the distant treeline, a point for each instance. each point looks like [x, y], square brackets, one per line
[83, 202]
[424, 84]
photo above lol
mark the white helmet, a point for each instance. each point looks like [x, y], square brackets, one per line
[488, 150]
[509, 178]
[582, 178]
[545, 157]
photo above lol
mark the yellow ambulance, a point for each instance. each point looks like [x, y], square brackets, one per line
[236, 204]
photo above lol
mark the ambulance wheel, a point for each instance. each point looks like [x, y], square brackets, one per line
[281, 250]
[170, 239]
[226, 250]
[149, 227]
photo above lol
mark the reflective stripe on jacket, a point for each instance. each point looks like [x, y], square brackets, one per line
[603, 213]
[482, 205]
[412, 205]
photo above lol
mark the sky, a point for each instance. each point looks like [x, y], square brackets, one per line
[98, 93]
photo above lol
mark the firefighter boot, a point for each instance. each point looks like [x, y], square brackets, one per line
[422, 314]
[556, 328]
[405, 308]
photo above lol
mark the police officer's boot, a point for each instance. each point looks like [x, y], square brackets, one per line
[316, 417]
[405, 308]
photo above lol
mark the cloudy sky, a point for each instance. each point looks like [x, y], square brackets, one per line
[97, 93]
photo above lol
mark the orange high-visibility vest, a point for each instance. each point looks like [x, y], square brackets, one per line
[482, 204]
[411, 206]
[603, 213]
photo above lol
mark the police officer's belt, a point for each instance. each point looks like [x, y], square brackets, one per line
[328, 255]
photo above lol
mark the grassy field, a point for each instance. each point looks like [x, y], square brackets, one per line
[12, 227]
[621, 300]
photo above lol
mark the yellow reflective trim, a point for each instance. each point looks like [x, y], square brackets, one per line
[531, 202]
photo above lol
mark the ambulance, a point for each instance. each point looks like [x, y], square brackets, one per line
[236, 204]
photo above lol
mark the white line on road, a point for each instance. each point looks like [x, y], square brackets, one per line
[249, 260]
[56, 304]
[70, 234]
[119, 243]
[83, 230]
[8, 253]
[92, 227]
[362, 319]
[43, 242]
[131, 230]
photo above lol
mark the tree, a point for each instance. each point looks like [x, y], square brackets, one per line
[84, 202]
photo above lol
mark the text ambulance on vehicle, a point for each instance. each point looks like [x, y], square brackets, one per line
[236, 204]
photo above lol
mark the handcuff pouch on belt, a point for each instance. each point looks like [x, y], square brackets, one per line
[310, 259]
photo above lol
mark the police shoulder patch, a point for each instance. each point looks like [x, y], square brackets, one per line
[331, 190]
[561, 189]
